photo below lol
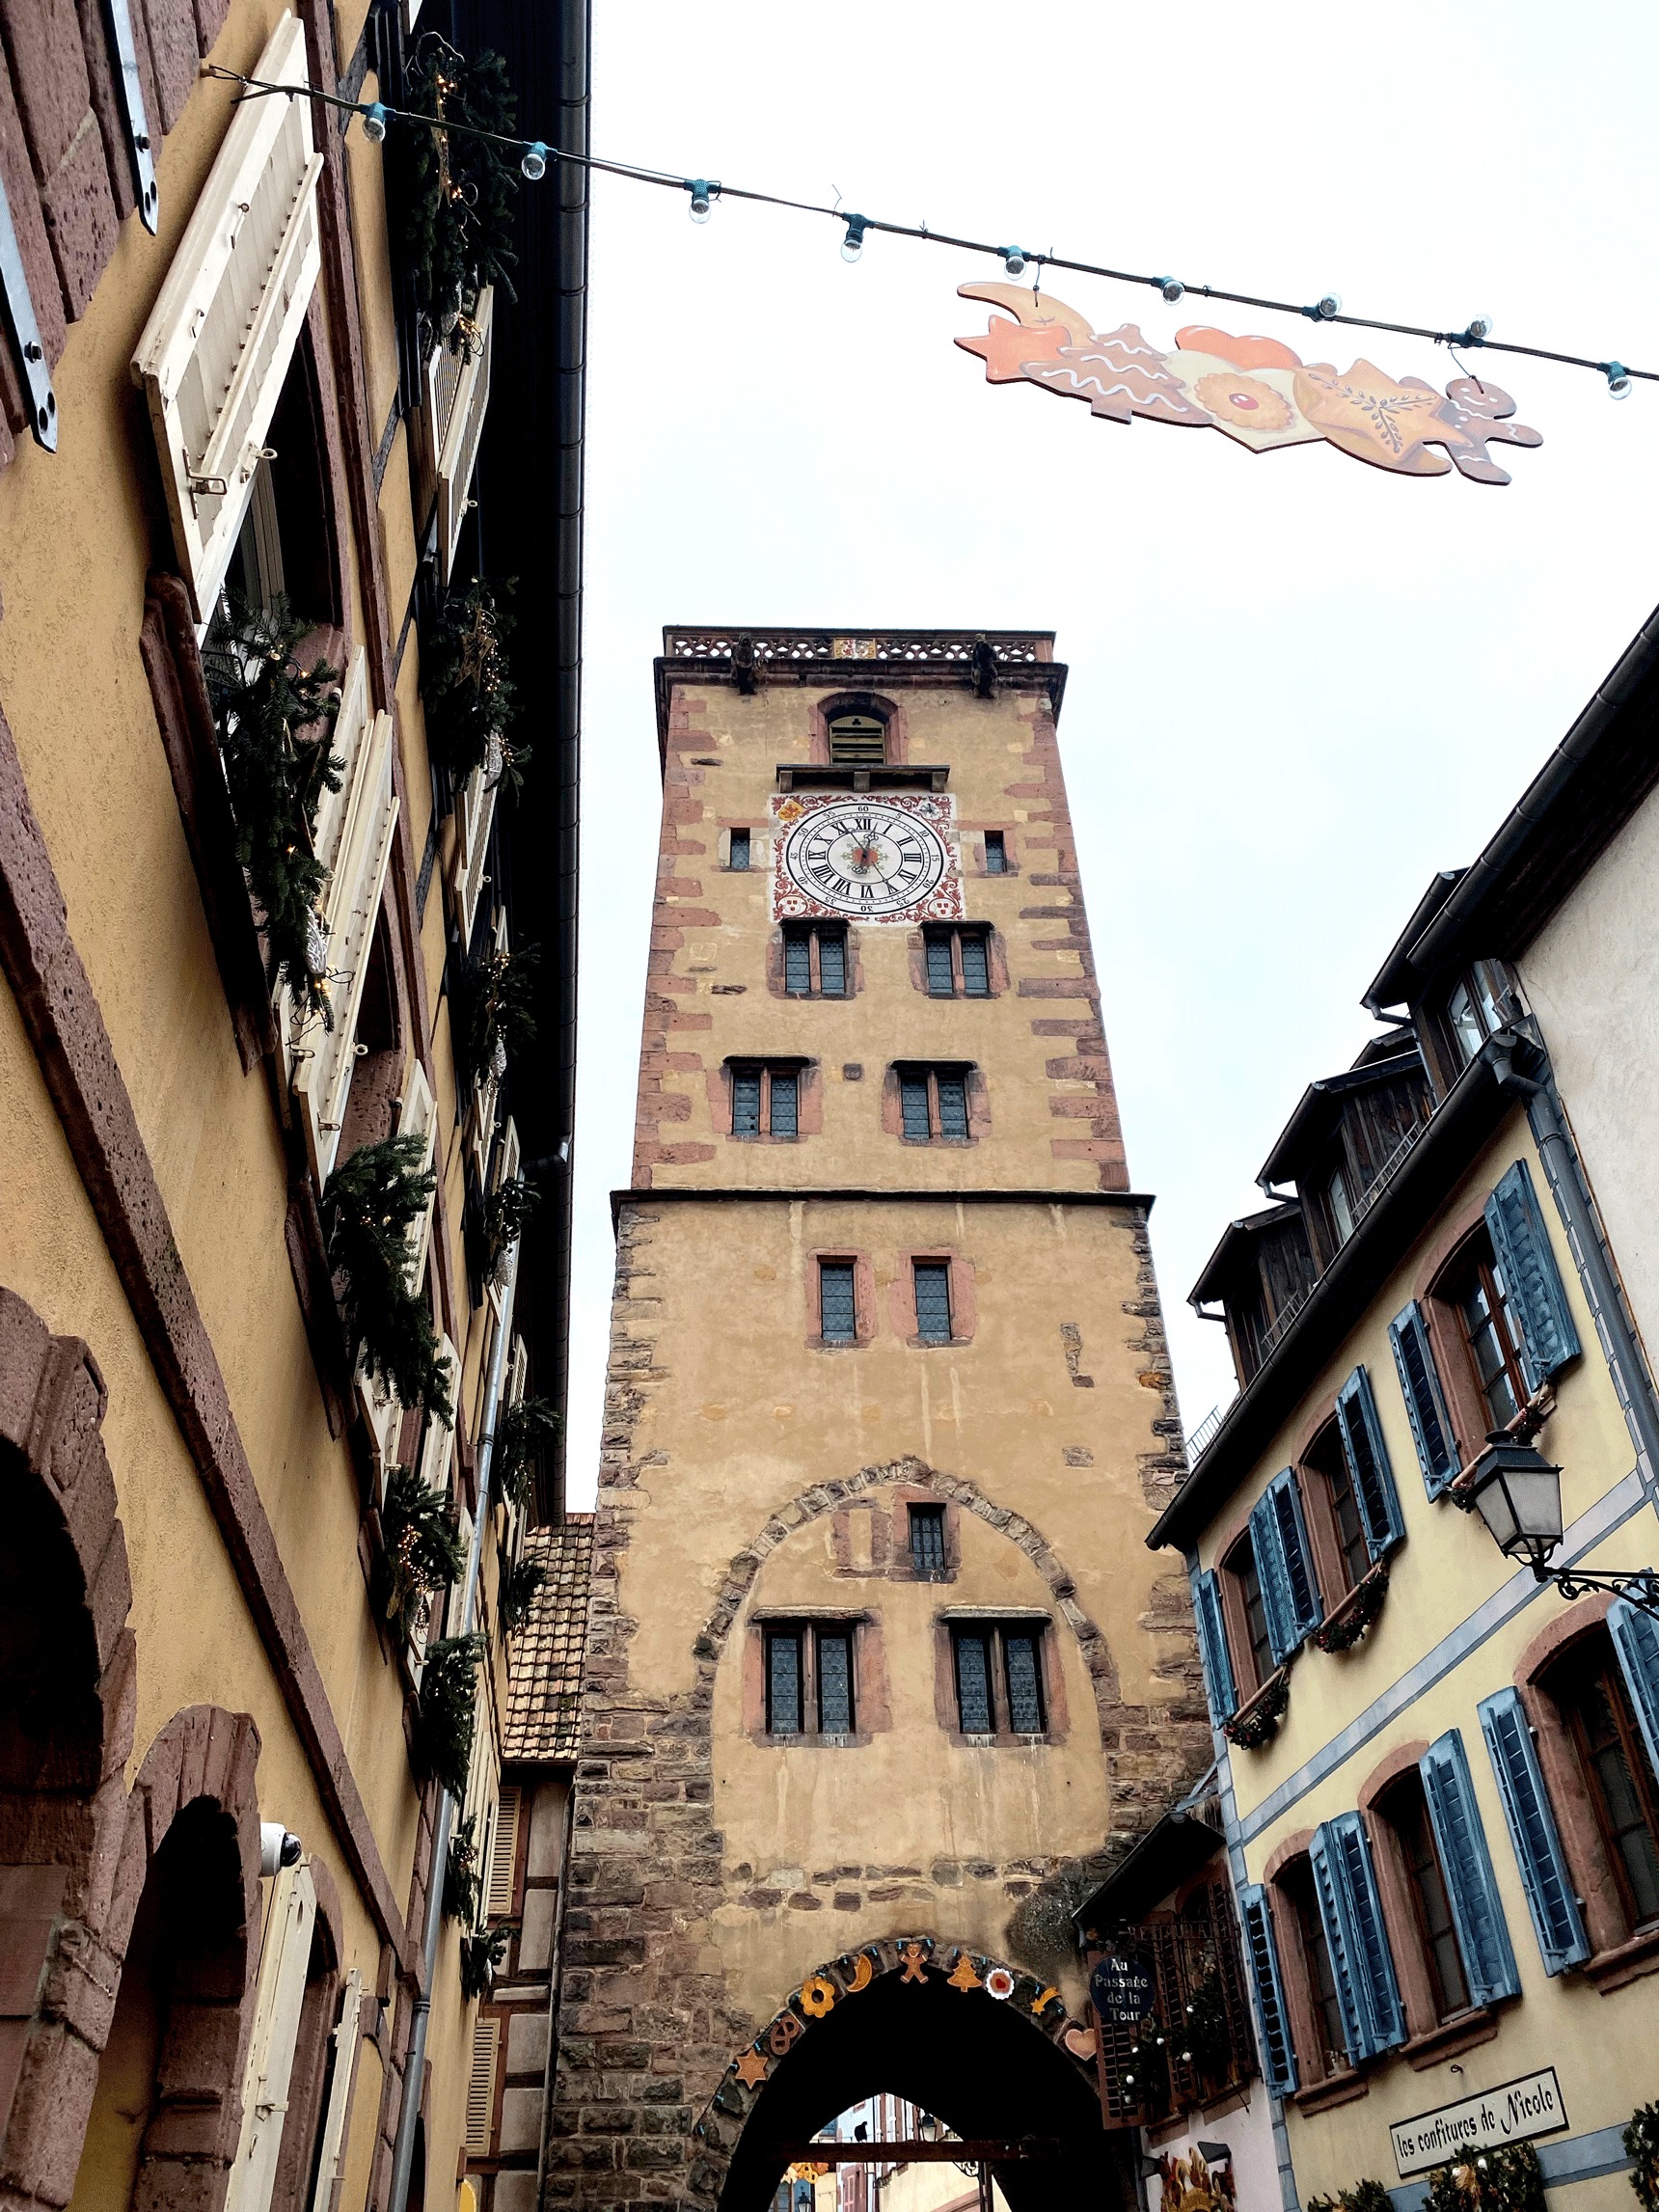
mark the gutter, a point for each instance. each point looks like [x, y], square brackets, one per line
[415, 2064]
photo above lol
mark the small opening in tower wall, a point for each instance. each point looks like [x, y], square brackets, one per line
[858, 740]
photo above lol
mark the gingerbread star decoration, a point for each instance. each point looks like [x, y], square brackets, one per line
[751, 2068]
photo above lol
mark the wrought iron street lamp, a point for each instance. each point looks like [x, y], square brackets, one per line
[1516, 1491]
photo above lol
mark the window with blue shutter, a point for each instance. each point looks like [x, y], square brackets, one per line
[1350, 1912]
[1476, 1911]
[1301, 1583]
[1550, 1900]
[1273, 1577]
[1279, 2057]
[1425, 1403]
[1369, 1470]
[1213, 1649]
[1636, 1640]
[1531, 1280]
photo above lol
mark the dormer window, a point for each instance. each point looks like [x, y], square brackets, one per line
[1475, 1011]
[858, 740]
[1341, 1212]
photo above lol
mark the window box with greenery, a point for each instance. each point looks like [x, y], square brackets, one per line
[481, 1956]
[456, 193]
[423, 1550]
[464, 688]
[370, 1207]
[461, 1877]
[506, 1210]
[493, 1016]
[449, 1709]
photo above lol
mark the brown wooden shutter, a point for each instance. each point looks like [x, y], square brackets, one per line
[504, 1855]
[481, 2086]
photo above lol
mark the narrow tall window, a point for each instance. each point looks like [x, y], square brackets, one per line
[975, 966]
[952, 1090]
[815, 959]
[1240, 1565]
[858, 740]
[1350, 1528]
[973, 1682]
[995, 853]
[958, 962]
[1493, 1336]
[765, 1101]
[1619, 1778]
[941, 981]
[740, 849]
[838, 1302]
[1407, 1811]
[914, 1107]
[1026, 1715]
[835, 1654]
[745, 1101]
[1297, 1885]
[998, 1669]
[927, 1539]
[933, 1301]
[1341, 1212]
[783, 1686]
[785, 1103]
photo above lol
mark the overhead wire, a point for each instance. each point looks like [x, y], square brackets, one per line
[1326, 309]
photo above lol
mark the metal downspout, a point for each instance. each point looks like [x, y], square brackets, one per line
[415, 2065]
[555, 1986]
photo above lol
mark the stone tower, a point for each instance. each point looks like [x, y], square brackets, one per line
[881, 1673]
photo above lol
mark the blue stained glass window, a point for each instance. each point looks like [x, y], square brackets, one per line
[973, 1682]
[784, 1683]
[835, 1684]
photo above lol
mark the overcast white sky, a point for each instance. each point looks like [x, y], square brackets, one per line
[1299, 686]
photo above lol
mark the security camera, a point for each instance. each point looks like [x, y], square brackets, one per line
[279, 1847]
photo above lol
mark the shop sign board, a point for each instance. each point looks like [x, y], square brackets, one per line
[1515, 2111]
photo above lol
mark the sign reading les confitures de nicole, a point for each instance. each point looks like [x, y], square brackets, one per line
[1529, 2106]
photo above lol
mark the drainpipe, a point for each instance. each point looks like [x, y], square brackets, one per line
[1571, 1189]
[555, 1986]
[415, 2066]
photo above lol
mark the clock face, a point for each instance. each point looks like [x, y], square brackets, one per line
[868, 858]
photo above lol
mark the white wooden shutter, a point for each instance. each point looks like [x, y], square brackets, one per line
[351, 908]
[489, 1086]
[351, 729]
[518, 1371]
[503, 1854]
[438, 1445]
[385, 1417]
[472, 819]
[284, 1957]
[459, 398]
[332, 2142]
[218, 343]
[417, 1117]
[481, 2086]
[507, 1167]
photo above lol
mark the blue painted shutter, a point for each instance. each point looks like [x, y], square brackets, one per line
[1369, 1470]
[1301, 1583]
[1636, 1640]
[1279, 2055]
[1425, 1405]
[1530, 1278]
[1351, 1912]
[1544, 1875]
[1213, 1649]
[1273, 1575]
[1478, 1911]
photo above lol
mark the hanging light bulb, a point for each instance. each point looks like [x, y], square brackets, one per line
[373, 122]
[1325, 309]
[1478, 330]
[533, 166]
[1014, 259]
[1171, 288]
[702, 194]
[852, 244]
[1619, 381]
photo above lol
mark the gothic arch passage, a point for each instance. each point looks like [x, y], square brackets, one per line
[929, 2023]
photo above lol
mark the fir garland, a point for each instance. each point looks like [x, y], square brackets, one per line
[520, 1581]
[1260, 1720]
[423, 1550]
[449, 1709]
[1642, 2148]
[481, 1956]
[457, 195]
[493, 1010]
[275, 720]
[1362, 1607]
[506, 1210]
[371, 1203]
[1364, 2197]
[461, 1874]
[465, 686]
[1146, 2067]
[1505, 2179]
[523, 1433]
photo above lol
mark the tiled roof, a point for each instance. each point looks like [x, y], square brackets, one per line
[544, 1679]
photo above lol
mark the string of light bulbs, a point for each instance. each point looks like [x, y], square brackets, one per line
[533, 155]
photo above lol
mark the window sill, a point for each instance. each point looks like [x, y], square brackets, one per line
[1462, 2033]
[1257, 1721]
[1611, 1970]
[1339, 2089]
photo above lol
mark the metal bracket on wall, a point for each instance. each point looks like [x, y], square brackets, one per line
[119, 17]
[25, 334]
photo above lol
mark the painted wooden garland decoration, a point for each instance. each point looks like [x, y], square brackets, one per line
[1253, 390]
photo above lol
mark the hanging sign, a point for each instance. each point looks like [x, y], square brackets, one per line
[1120, 1988]
[1511, 2113]
[1254, 390]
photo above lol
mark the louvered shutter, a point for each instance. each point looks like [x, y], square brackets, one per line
[473, 815]
[1534, 1286]
[218, 343]
[1476, 1910]
[487, 1096]
[1272, 1575]
[285, 1959]
[417, 1117]
[506, 1168]
[503, 1854]
[350, 728]
[1279, 2068]
[1213, 1649]
[1544, 1875]
[351, 907]
[438, 1444]
[1351, 1914]
[481, 2086]
[331, 2141]
[1636, 1640]
[1368, 1464]
[459, 404]
[1301, 1583]
[1425, 1405]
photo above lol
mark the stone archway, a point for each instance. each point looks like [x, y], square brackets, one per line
[974, 2040]
[66, 1706]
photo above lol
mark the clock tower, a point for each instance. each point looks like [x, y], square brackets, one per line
[882, 1675]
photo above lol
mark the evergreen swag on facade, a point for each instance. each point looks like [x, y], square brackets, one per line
[493, 1004]
[465, 685]
[461, 1874]
[449, 1709]
[1364, 2197]
[456, 193]
[1507, 2177]
[523, 1433]
[506, 1210]
[482, 1956]
[520, 1580]
[371, 1205]
[1642, 2148]
[275, 722]
[423, 1549]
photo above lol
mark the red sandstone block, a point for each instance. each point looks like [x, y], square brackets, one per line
[175, 50]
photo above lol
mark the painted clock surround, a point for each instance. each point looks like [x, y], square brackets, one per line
[892, 826]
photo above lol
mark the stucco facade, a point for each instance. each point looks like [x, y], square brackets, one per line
[760, 1478]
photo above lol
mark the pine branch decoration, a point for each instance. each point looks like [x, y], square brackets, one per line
[449, 1709]
[461, 1874]
[371, 1205]
[506, 1210]
[481, 1956]
[520, 1581]
[494, 1017]
[466, 687]
[523, 1433]
[458, 196]
[1505, 2177]
[423, 1549]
